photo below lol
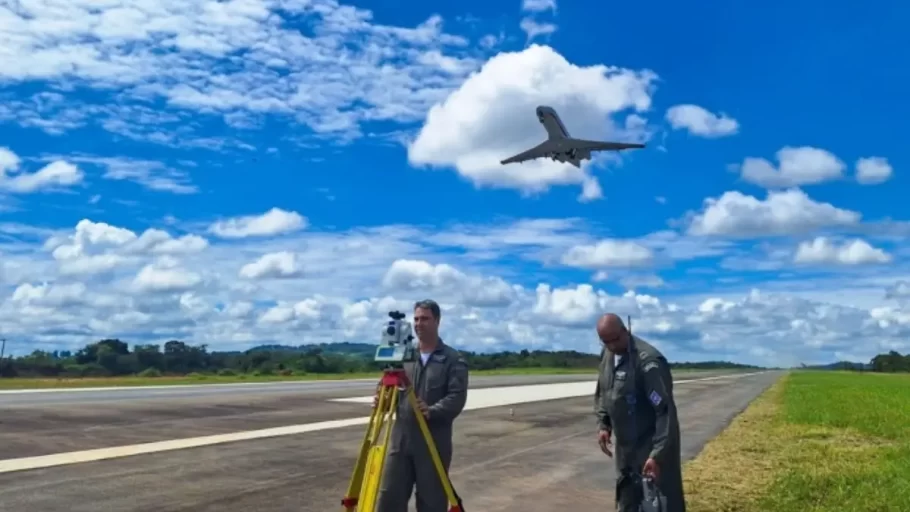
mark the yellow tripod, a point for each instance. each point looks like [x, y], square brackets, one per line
[363, 490]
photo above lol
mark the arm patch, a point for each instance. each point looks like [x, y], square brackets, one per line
[655, 398]
[651, 365]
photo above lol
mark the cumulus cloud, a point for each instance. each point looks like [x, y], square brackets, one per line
[797, 166]
[230, 295]
[873, 170]
[853, 252]
[491, 116]
[277, 265]
[534, 29]
[786, 212]
[58, 174]
[699, 121]
[416, 276]
[273, 222]
[608, 253]
[538, 5]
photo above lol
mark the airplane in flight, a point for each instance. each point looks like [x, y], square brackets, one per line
[560, 146]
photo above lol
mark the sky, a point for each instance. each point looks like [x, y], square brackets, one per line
[243, 172]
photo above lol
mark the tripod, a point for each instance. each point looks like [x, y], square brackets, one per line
[363, 490]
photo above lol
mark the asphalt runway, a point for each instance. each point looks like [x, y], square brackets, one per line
[54, 421]
[542, 458]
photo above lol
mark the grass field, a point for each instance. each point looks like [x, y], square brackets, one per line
[25, 383]
[815, 441]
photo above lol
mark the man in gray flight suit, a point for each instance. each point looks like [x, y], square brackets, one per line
[440, 380]
[647, 430]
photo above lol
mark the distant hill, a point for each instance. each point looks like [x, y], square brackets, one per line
[841, 365]
[341, 348]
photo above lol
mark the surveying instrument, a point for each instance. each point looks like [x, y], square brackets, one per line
[395, 348]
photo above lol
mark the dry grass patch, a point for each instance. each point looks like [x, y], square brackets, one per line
[815, 441]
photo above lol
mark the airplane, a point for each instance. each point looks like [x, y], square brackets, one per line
[560, 146]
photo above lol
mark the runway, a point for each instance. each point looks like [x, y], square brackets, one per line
[542, 457]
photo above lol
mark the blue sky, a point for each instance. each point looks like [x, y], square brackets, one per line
[306, 166]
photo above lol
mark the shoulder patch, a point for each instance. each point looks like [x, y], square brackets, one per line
[650, 365]
[655, 398]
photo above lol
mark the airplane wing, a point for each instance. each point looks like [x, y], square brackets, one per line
[596, 145]
[536, 152]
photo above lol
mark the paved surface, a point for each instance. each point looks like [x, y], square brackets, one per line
[60, 421]
[542, 459]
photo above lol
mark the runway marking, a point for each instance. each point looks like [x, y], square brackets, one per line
[496, 397]
[508, 395]
[165, 387]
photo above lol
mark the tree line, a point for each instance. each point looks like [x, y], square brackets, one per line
[113, 357]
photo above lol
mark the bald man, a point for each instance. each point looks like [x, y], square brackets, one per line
[646, 428]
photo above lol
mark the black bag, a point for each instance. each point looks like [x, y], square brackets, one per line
[639, 493]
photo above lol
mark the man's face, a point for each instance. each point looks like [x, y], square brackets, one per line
[615, 341]
[424, 324]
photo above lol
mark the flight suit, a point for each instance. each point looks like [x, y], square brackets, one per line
[443, 386]
[648, 427]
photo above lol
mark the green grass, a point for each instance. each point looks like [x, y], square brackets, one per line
[853, 444]
[816, 441]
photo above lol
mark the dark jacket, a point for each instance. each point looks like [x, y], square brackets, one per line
[647, 427]
[443, 385]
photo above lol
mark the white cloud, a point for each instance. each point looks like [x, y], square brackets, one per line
[608, 253]
[273, 265]
[495, 290]
[535, 29]
[341, 71]
[854, 252]
[55, 175]
[873, 170]
[538, 5]
[491, 116]
[786, 212]
[416, 276]
[273, 222]
[798, 166]
[165, 275]
[701, 122]
[150, 174]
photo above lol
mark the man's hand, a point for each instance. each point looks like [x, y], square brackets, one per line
[424, 409]
[651, 469]
[603, 439]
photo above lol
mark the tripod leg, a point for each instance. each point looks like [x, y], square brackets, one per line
[441, 472]
[352, 499]
[372, 480]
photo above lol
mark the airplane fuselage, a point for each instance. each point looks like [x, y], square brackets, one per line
[559, 137]
[562, 147]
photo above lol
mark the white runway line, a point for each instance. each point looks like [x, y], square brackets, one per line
[508, 395]
[477, 399]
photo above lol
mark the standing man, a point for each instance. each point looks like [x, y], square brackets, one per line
[645, 428]
[440, 380]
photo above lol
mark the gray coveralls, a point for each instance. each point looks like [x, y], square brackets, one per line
[443, 386]
[649, 428]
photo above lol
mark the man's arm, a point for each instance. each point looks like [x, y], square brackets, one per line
[656, 386]
[600, 410]
[451, 405]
